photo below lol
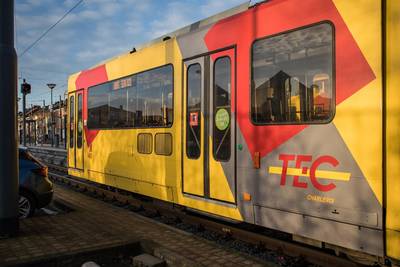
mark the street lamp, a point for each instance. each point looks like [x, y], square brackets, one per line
[52, 86]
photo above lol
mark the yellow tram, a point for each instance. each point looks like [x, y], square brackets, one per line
[284, 114]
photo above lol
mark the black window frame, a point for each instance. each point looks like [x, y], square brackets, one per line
[151, 144]
[188, 112]
[79, 111]
[137, 127]
[214, 108]
[333, 100]
[155, 144]
[71, 117]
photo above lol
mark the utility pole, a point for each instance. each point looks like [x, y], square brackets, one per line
[25, 89]
[51, 86]
[9, 223]
[43, 122]
[60, 104]
[23, 116]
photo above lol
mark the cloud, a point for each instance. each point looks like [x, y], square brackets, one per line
[210, 8]
[180, 14]
[176, 16]
[94, 31]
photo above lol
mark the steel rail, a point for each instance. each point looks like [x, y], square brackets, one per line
[288, 248]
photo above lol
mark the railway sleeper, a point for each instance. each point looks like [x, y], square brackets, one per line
[227, 228]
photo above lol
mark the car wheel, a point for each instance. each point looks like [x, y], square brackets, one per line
[26, 205]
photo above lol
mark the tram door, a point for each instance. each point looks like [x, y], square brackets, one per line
[75, 130]
[209, 123]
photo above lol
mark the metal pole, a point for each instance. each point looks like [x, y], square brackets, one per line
[9, 223]
[52, 118]
[61, 126]
[24, 117]
[43, 123]
[36, 134]
[51, 86]
[30, 125]
[29, 132]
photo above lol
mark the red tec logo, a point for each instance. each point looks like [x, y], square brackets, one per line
[312, 172]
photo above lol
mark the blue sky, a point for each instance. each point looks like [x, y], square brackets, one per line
[94, 31]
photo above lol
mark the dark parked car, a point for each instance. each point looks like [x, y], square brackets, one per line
[35, 188]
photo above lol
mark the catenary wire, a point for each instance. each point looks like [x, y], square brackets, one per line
[49, 29]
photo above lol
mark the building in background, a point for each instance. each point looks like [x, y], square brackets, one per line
[39, 122]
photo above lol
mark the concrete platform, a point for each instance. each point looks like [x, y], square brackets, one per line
[94, 225]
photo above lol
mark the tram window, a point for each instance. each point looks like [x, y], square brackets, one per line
[163, 144]
[145, 143]
[79, 128]
[71, 121]
[137, 101]
[222, 109]
[292, 80]
[118, 108]
[193, 113]
[98, 108]
[154, 98]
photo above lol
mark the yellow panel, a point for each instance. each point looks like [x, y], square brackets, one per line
[193, 169]
[360, 15]
[393, 244]
[212, 207]
[113, 157]
[147, 58]
[71, 82]
[194, 178]
[219, 186]
[321, 174]
[359, 118]
[360, 126]
[393, 128]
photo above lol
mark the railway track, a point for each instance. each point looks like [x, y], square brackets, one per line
[309, 254]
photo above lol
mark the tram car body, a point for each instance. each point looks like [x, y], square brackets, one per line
[284, 114]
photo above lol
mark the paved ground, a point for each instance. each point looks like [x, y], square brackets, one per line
[95, 225]
[48, 148]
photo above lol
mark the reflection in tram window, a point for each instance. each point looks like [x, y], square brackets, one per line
[222, 109]
[153, 98]
[193, 114]
[141, 100]
[71, 121]
[79, 126]
[321, 88]
[292, 77]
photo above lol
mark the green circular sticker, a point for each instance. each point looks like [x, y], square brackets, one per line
[80, 126]
[222, 119]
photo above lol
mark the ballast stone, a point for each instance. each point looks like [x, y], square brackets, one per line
[90, 264]
[147, 260]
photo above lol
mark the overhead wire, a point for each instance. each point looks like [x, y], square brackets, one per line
[50, 28]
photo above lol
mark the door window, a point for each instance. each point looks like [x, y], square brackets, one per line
[71, 121]
[80, 123]
[193, 128]
[222, 109]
